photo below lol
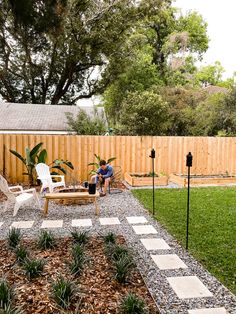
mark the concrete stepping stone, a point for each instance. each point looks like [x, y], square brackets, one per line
[109, 221]
[81, 223]
[218, 310]
[136, 220]
[168, 261]
[188, 287]
[52, 224]
[144, 229]
[22, 224]
[1, 223]
[155, 244]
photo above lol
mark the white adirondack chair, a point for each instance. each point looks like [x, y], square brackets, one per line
[46, 178]
[17, 198]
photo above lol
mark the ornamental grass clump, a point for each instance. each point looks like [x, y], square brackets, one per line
[119, 251]
[13, 237]
[6, 295]
[80, 237]
[46, 240]
[33, 267]
[132, 304]
[21, 254]
[10, 310]
[79, 259]
[122, 267]
[63, 292]
[110, 238]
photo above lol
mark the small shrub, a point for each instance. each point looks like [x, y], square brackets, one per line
[132, 304]
[63, 292]
[13, 237]
[6, 294]
[122, 268]
[77, 264]
[110, 238]
[119, 251]
[33, 268]
[80, 237]
[46, 240]
[21, 254]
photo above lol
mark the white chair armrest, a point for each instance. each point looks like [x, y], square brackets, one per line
[19, 187]
[30, 190]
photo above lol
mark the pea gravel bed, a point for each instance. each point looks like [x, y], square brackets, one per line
[123, 205]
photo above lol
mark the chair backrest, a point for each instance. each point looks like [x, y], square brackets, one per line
[43, 172]
[117, 172]
[5, 189]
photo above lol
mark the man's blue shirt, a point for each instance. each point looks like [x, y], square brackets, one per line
[108, 172]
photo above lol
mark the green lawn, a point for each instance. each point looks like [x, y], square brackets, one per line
[212, 230]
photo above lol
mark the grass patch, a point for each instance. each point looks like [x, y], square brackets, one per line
[212, 234]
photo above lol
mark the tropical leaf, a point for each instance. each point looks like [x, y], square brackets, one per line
[93, 164]
[98, 157]
[35, 149]
[111, 159]
[42, 156]
[18, 156]
[28, 157]
[59, 168]
[68, 163]
[92, 172]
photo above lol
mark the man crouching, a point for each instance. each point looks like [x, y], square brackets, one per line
[104, 174]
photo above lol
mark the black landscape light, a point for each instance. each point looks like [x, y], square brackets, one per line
[153, 155]
[189, 163]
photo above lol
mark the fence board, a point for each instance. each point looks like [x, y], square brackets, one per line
[211, 155]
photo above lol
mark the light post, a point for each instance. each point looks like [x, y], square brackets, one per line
[189, 162]
[153, 155]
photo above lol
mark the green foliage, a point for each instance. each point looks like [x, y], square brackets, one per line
[59, 44]
[123, 266]
[46, 240]
[96, 164]
[83, 124]
[80, 237]
[79, 259]
[144, 113]
[212, 216]
[13, 237]
[132, 304]
[116, 251]
[210, 74]
[33, 267]
[32, 157]
[227, 114]
[6, 294]
[109, 238]
[21, 254]
[63, 292]
[38, 155]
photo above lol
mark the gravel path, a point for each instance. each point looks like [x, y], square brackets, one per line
[121, 206]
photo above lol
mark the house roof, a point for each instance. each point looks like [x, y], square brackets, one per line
[31, 117]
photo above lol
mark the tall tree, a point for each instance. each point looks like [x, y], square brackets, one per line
[50, 49]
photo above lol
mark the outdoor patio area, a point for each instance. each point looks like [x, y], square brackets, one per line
[176, 281]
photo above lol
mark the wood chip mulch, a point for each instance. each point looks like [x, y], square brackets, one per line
[98, 292]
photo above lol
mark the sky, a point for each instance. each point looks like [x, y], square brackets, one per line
[220, 16]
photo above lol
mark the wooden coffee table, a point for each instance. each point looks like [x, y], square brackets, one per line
[71, 195]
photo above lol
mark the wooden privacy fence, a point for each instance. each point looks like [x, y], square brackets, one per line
[211, 155]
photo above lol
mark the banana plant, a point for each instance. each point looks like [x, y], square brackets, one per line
[38, 155]
[96, 164]
[33, 157]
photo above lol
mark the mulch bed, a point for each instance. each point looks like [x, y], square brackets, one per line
[99, 293]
